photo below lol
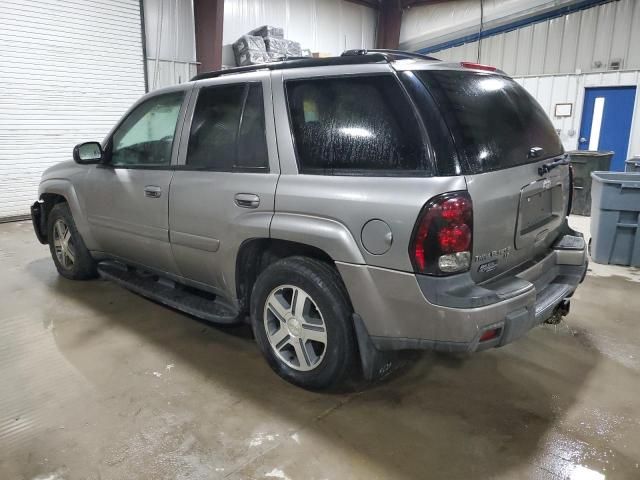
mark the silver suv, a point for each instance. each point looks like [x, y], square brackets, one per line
[348, 207]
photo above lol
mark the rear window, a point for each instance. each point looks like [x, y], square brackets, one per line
[493, 120]
[357, 125]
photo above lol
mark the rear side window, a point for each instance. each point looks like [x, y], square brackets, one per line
[361, 125]
[252, 143]
[493, 120]
[227, 131]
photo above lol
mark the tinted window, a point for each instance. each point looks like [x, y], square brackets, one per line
[145, 138]
[494, 121]
[355, 125]
[227, 130]
[252, 143]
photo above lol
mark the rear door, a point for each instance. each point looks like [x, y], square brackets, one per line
[503, 138]
[223, 189]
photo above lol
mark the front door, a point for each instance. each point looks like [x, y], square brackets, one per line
[606, 121]
[128, 196]
[223, 190]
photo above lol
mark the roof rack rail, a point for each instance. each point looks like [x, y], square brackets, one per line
[394, 54]
[296, 62]
[348, 57]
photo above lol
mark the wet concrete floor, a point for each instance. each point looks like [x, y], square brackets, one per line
[99, 383]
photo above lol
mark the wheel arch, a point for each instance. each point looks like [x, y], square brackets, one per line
[56, 190]
[256, 254]
[40, 214]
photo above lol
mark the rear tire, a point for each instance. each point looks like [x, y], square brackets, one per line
[69, 253]
[302, 321]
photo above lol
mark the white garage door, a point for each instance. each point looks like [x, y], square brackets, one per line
[68, 70]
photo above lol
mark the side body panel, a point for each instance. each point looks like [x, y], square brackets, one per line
[126, 222]
[330, 212]
[207, 226]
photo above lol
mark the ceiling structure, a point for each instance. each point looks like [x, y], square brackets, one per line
[390, 18]
[397, 3]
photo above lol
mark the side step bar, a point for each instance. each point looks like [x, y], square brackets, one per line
[176, 296]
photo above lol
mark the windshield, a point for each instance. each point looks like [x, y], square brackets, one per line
[493, 120]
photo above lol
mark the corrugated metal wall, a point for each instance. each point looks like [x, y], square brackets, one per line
[552, 89]
[171, 47]
[330, 26]
[586, 40]
[424, 26]
[68, 71]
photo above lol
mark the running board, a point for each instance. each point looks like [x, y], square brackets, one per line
[168, 293]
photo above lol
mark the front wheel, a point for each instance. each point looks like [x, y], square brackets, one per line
[70, 255]
[301, 318]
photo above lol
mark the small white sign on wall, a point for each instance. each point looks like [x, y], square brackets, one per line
[563, 109]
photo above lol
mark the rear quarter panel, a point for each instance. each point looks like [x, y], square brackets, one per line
[329, 212]
[317, 204]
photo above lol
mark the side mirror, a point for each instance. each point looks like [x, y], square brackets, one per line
[87, 153]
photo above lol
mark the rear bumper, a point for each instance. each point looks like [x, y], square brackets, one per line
[404, 311]
[37, 218]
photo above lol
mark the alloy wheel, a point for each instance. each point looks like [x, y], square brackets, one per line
[295, 327]
[63, 244]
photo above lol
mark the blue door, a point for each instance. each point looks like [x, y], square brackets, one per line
[606, 121]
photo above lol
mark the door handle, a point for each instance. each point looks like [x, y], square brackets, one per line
[247, 200]
[582, 140]
[152, 191]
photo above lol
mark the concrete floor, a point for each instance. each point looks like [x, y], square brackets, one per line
[98, 383]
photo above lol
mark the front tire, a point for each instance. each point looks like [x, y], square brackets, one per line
[69, 253]
[302, 321]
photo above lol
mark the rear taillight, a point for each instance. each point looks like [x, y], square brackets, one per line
[443, 235]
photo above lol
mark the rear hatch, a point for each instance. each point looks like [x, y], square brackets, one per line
[513, 163]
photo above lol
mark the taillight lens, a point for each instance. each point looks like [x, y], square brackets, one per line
[443, 235]
[478, 66]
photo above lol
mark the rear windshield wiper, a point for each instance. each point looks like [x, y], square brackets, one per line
[547, 167]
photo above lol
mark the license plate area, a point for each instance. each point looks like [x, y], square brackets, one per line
[537, 209]
[539, 212]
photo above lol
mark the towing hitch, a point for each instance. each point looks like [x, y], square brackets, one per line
[560, 311]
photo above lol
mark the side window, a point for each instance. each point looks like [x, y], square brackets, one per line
[227, 131]
[252, 142]
[361, 125]
[146, 136]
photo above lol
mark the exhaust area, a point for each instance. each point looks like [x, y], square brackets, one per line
[560, 311]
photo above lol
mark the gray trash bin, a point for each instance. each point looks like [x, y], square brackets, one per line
[584, 162]
[632, 165]
[615, 218]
